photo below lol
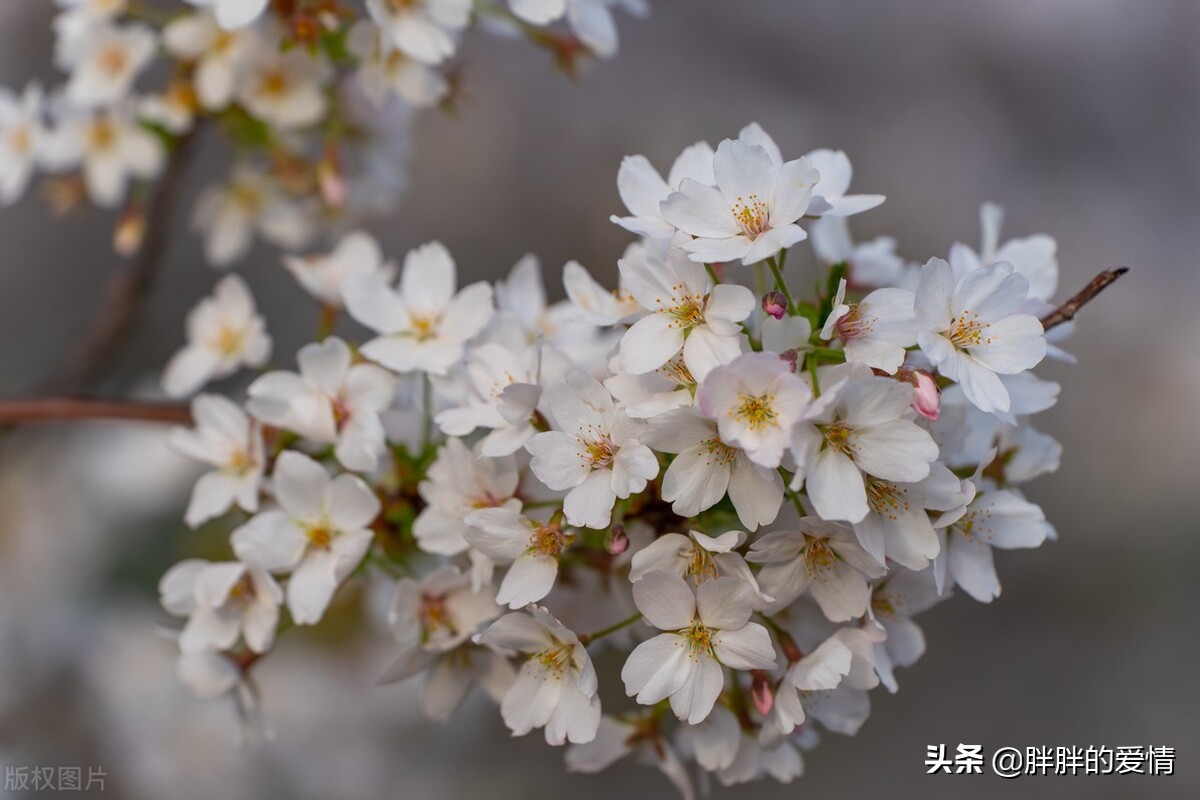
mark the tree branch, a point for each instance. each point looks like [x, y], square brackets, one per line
[57, 409]
[1067, 311]
[128, 287]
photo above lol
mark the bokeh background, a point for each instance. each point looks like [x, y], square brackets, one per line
[1082, 117]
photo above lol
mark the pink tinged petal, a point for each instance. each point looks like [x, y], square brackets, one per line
[934, 289]
[311, 587]
[519, 632]
[575, 718]
[532, 698]
[589, 504]
[789, 711]
[729, 304]
[559, 460]
[824, 668]
[725, 604]
[324, 364]
[670, 553]
[177, 587]
[352, 504]
[529, 579]
[778, 238]
[712, 251]
[271, 541]
[301, 485]
[970, 562]
[756, 493]
[836, 488]
[633, 466]
[700, 210]
[501, 534]
[1014, 344]
[580, 405]
[650, 343]
[744, 172]
[842, 593]
[748, 647]
[792, 190]
[895, 451]
[656, 669]
[705, 350]
[694, 700]
[692, 483]
[666, 601]
[993, 292]
[468, 313]
[212, 496]
[641, 187]
[370, 301]
[445, 688]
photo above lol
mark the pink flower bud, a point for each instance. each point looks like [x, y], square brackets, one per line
[761, 692]
[775, 304]
[329, 177]
[927, 399]
[617, 541]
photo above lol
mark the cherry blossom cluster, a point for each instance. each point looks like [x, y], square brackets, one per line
[747, 494]
[314, 97]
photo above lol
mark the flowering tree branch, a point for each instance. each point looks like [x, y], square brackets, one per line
[54, 409]
[129, 286]
[1067, 311]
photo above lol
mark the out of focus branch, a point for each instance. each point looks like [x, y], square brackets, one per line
[57, 409]
[130, 284]
[1067, 311]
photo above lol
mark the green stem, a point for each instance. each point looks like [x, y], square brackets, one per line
[712, 274]
[781, 284]
[588, 638]
[426, 411]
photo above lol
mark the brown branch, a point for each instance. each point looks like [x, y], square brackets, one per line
[128, 287]
[1067, 311]
[57, 409]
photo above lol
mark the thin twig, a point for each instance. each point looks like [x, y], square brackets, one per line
[57, 409]
[1067, 311]
[128, 287]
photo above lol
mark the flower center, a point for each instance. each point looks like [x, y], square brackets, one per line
[320, 537]
[239, 460]
[556, 659]
[885, 498]
[751, 215]
[688, 310]
[819, 557]
[423, 328]
[113, 60]
[677, 372]
[882, 605]
[20, 140]
[718, 453]
[548, 540]
[974, 525]
[702, 567]
[839, 436]
[228, 341]
[757, 411]
[600, 451]
[242, 593]
[102, 135]
[855, 324]
[967, 331]
[699, 639]
[435, 615]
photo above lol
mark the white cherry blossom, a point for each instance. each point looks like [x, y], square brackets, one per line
[319, 534]
[532, 547]
[425, 325]
[226, 439]
[109, 146]
[459, 482]
[230, 214]
[323, 275]
[426, 30]
[107, 63]
[234, 13]
[330, 401]
[876, 330]
[594, 453]
[643, 190]
[224, 602]
[704, 630]
[225, 333]
[21, 135]
[219, 55]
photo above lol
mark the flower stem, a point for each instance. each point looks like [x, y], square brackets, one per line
[712, 274]
[587, 638]
[426, 411]
[780, 283]
[56, 409]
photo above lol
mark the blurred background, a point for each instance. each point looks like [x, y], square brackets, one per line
[1081, 117]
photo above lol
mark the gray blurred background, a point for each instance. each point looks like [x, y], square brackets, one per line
[1081, 117]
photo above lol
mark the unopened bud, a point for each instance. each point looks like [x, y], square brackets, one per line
[791, 358]
[130, 232]
[761, 692]
[927, 399]
[617, 540]
[329, 176]
[775, 304]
